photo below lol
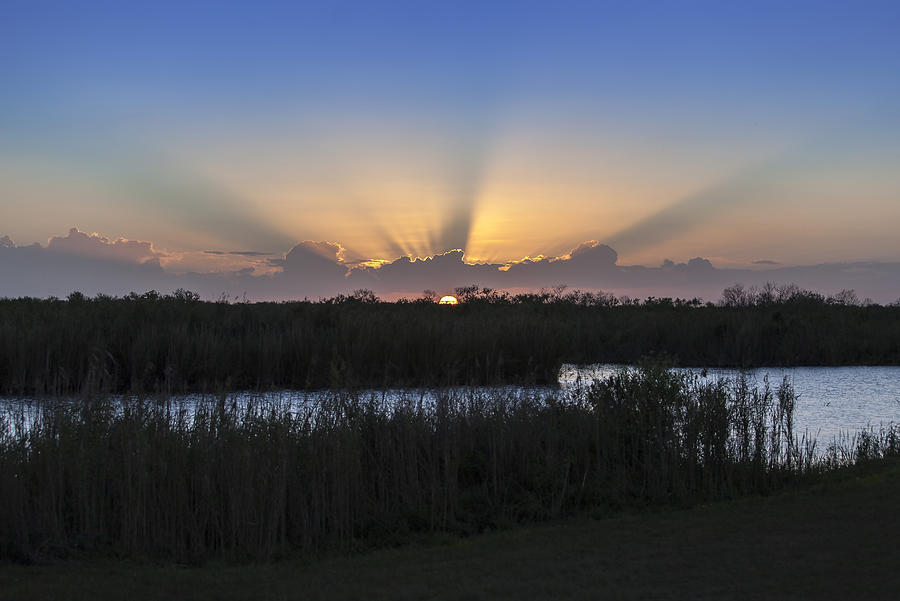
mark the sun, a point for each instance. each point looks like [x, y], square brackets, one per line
[448, 300]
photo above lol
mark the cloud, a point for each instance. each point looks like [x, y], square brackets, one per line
[699, 265]
[442, 272]
[86, 262]
[314, 259]
[590, 265]
[309, 269]
[92, 263]
[765, 262]
[218, 261]
[587, 265]
[239, 253]
[96, 246]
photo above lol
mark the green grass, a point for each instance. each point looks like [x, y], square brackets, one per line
[832, 539]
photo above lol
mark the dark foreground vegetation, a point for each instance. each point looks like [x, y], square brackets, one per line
[214, 479]
[832, 539]
[153, 343]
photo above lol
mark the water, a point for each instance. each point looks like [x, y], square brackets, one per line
[833, 402]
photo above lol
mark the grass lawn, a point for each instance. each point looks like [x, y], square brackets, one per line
[837, 539]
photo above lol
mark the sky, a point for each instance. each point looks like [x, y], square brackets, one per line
[299, 148]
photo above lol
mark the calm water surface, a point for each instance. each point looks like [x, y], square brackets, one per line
[833, 402]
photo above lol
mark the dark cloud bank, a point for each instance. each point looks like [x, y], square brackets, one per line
[92, 264]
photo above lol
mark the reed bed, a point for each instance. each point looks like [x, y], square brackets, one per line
[153, 478]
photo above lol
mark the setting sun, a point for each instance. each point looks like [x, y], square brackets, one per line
[448, 300]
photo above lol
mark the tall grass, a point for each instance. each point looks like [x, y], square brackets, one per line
[196, 480]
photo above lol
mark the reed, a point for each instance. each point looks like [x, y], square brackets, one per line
[212, 477]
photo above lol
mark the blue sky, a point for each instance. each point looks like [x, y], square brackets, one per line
[735, 131]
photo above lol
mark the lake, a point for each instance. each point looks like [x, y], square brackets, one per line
[832, 402]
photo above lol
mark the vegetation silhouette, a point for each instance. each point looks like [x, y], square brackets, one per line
[207, 478]
[177, 343]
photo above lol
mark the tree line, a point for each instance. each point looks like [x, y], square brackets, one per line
[147, 343]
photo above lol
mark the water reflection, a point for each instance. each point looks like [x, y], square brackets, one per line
[832, 401]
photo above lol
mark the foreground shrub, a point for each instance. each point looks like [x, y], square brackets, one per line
[202, 478]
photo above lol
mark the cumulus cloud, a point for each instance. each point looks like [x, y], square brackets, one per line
[85, 262]
[441, 272]
[588, 265]
[311, 269]
[331, 252]
[314, 260]
[79, 243]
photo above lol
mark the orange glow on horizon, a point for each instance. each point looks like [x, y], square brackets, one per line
[448, 300]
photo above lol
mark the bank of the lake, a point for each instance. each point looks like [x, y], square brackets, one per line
[835, 539]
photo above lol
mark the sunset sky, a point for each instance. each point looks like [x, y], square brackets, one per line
[213, 137]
